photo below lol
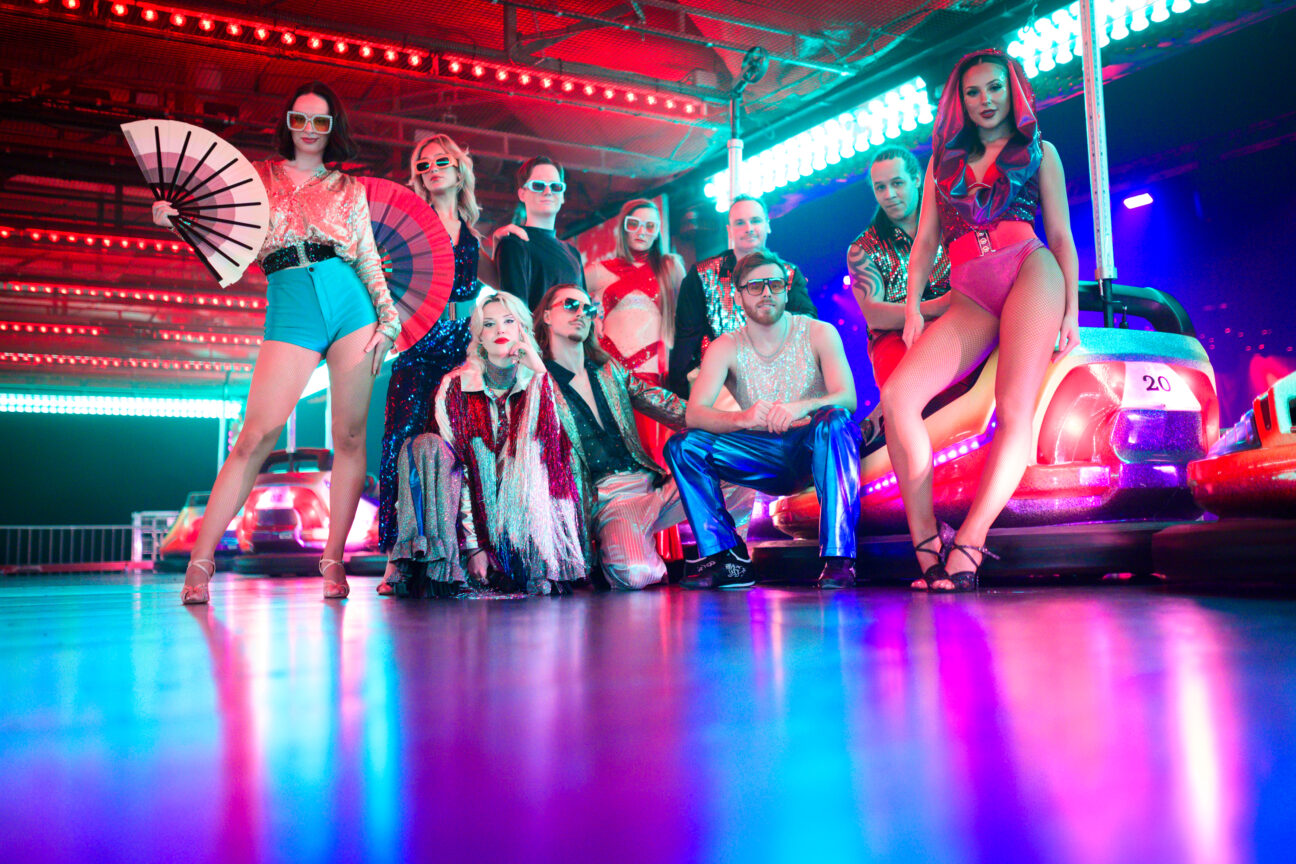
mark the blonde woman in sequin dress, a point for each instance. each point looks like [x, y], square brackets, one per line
[326, 298]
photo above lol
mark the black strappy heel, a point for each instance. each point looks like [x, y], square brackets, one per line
[936, 571]
[966, 580]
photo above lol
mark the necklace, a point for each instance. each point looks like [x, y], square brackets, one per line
[498, 378]
[787, 330]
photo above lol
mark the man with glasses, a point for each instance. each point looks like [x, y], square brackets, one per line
[528, 268]
[627, 496]
[791, 380]
[708, 307]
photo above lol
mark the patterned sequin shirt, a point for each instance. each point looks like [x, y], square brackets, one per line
[889, 255]
[329, 208]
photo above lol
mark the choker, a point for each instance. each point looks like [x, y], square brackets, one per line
[500, 378]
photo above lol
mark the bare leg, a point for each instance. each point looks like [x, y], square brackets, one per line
[1028, 332]
[351, 378]
[949, 347]
[278, 379]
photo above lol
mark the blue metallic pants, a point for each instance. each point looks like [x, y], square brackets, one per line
[827, 450]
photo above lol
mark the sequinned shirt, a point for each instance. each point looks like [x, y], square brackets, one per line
[329, 208]
[600, 437]
[888, 251]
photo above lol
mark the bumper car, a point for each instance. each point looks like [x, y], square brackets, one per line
[286, 518]
[173, 552]
[1249, 482]
[1117, 422]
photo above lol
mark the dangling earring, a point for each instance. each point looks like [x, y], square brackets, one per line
[481, 350]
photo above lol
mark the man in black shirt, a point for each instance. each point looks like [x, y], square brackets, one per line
[528, 268]
[627, 497]
[708, 305]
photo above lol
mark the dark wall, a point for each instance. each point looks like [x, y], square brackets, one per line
[70, 469]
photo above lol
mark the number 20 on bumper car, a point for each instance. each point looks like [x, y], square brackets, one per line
[1117, 422]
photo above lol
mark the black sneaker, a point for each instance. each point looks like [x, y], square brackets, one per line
[727, 569]
[837, 572]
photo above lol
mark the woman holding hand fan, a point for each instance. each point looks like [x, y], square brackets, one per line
[327, 298]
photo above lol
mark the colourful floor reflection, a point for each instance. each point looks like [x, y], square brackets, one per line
[1058, 725]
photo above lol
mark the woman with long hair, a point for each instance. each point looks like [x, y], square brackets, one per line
[637, 289]
[326, 298]
[989, 175]
[441, 172]
[520, 517]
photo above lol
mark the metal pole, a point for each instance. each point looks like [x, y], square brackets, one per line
[735, 147]
[222, 435]
[292, 430]
[1099, 187]
[328, 416]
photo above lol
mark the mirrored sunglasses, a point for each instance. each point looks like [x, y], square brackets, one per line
[423, 166]
[321, 123]
[756, 287]
[583, 307]
[557, 187]
[632, 224]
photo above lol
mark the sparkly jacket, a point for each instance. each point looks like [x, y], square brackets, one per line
[520, 501]
[708, 307]
[888, 250]
[624, 393]
[329, 208]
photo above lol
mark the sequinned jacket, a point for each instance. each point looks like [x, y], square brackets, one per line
[624, 393]
[708, 307]
[329, 208]
[888, 251]
[520, 498]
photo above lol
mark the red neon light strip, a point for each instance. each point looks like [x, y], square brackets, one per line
[129, 294]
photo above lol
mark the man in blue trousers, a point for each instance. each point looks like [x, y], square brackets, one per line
[790, 377]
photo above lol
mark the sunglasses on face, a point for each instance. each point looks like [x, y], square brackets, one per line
[579, 306]
[299, 122]
[756, 287]
[423, 166]
[632, 224]
[557, 187]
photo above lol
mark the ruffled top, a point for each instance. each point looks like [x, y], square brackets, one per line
[1010, 189]
[329, 208]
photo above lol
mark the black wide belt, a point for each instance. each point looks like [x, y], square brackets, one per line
[297, 256]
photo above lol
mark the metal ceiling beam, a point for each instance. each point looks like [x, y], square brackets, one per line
[694, 12]
[671, 35]
[218, 9]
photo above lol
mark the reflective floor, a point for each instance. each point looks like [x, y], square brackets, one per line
[1100, 724]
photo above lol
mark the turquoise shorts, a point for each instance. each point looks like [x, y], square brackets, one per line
[316, 305]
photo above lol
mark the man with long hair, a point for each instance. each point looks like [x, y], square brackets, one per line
[877, 260]
[628, 496]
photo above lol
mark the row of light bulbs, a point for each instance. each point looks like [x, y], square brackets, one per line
[143, 296]
[26, 359]
[34, 329]
[343, 47]
[1054, 40]
[126, 406]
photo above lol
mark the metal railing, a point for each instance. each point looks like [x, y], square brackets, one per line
[37, 545]
[148, 527]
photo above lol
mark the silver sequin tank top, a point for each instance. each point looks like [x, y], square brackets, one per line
[788, 375]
